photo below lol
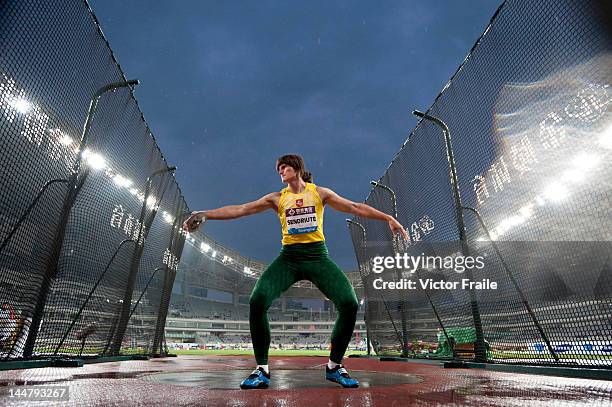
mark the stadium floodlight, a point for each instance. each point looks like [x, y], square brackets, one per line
[94, 160]
[204, 247]
[585, 161]
[214, 254]
[526, 211]
[509, 223]
[168, 218]
[65, 140]
[581, 164]
[121, 181]
[574, 175]
[556, 192]
[151, 201]
[248, 270]
[21, 105]
[605, 139]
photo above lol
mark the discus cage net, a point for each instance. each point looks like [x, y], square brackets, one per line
[530, 143]
[90, 211]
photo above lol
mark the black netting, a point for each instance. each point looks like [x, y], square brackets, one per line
[88, 257]
[529, 120]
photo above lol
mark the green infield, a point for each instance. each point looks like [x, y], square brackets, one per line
[249, 352]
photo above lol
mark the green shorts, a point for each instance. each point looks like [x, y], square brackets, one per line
[303, 261]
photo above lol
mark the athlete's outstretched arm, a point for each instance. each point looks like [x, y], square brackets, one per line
[269, 201]
[359, 209]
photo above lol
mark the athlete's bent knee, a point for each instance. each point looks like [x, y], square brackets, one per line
[257, 301]
[349, 307]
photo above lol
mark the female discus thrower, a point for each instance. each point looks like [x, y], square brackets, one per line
[303, 257]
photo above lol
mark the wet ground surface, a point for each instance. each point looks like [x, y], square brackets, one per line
[282, 379]
[299, 381]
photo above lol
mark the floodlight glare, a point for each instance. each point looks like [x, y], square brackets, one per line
[585, 161]
[574, 175]
[94, 160]
[168, 218]
[526, 211]
[66, 140]
[556, 192]
[151, 201]
[214, 254]
[247, 270]
[122, 181]
[605, 139]
[21, 105]
[204, 247]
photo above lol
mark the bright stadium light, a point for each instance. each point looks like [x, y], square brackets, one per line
[556, 192]
[94, 160]
[585, 161]
[151, 201]
[122, 181]
[526, 211]
[21, 105]
[247, 270]
[574, 175]
[605, 139]
[168, 218]
[133, 191]
[204, 247]
[214, 254]
[66, 140]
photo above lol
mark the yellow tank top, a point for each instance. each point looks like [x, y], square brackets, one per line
[301, 215]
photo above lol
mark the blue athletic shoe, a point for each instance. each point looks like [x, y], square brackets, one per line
[259, 379]
[340, 375]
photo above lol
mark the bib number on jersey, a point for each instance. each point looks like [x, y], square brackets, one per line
[301, 220]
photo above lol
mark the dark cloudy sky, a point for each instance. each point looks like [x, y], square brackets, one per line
[228, 86]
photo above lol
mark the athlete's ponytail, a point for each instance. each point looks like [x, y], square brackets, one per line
[297, 163]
